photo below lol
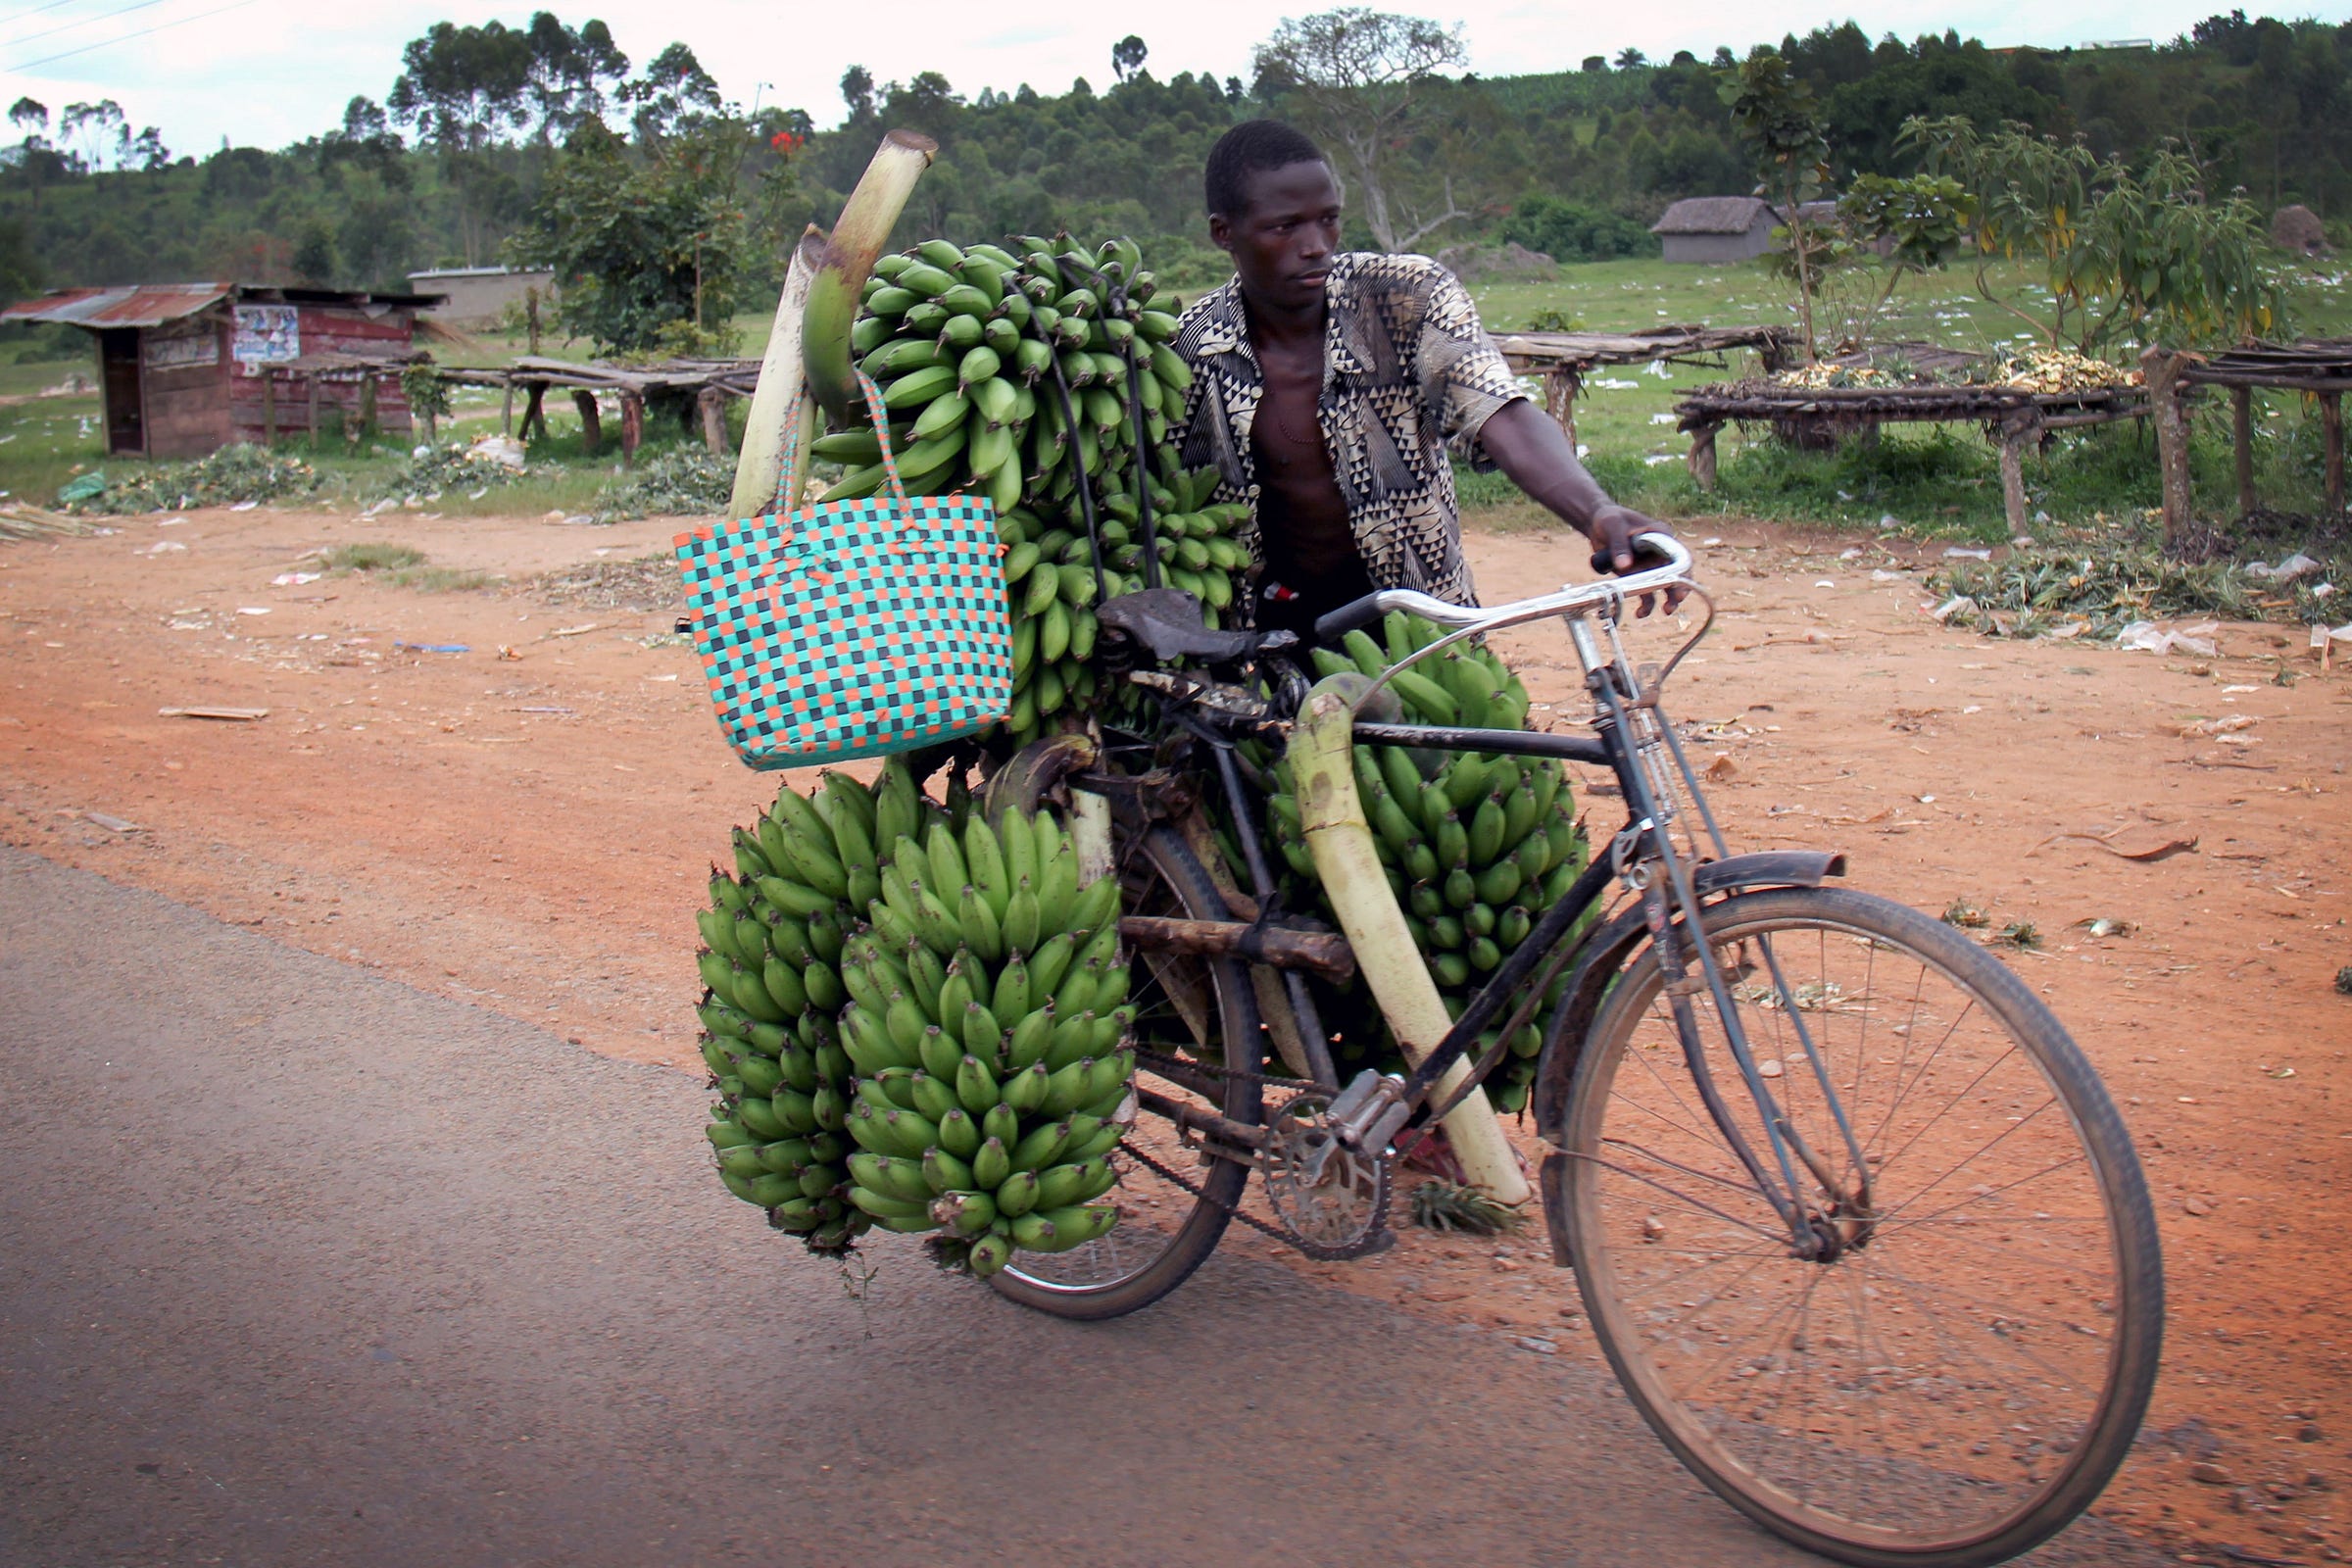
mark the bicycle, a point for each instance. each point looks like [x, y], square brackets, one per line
[1854, 1222]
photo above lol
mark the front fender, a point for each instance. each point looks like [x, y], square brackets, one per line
[1605, 955]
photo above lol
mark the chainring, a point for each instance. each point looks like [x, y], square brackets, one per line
[1331, 1201]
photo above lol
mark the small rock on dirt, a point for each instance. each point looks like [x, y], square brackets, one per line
[2196, 1205]
[2211, 1474]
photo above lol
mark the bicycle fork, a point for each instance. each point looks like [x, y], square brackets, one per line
[1643, 849]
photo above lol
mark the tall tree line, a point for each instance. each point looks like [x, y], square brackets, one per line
[482, 130]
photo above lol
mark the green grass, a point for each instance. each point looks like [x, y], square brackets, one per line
[403, 566]
[378, 555]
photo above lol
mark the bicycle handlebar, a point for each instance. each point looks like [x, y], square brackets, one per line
[1363, 611]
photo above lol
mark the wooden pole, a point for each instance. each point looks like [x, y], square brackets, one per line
[268, 404]
[2160, 369]
[1559, 391]
[2331, 430]
[714, 421]
[592, 426]
[506, 411]
[368, 419]
[2013, 479]
[534, 411]
[1703, 457]
[632, 427]
[2241, 436]
[312, 382]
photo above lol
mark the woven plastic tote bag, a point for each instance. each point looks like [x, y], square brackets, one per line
[854, 628]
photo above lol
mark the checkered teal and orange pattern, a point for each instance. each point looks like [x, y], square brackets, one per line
[851, 629]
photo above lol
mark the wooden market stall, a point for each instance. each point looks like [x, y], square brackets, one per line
[2320, 368]
[1564, 359]
[2013, 417]
[704, 386]
[185, 369]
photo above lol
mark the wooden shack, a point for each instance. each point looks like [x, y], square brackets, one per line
[185, 369]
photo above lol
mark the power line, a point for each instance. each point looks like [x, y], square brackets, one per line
[36, 11]
[69, 26]
[141, 32]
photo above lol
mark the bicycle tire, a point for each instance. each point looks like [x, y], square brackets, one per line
[1934, 1499]
[1159, 859]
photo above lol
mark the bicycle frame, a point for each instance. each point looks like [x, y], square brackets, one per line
[1636, 742]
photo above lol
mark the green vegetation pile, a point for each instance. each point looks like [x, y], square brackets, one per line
[682, 481]
[233, 475]
[430, 472]
[2100, 591]
[926, 1036]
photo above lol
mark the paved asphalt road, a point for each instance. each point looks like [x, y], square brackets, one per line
[299, 1266]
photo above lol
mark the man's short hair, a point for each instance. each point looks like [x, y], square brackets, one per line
[1253, 147]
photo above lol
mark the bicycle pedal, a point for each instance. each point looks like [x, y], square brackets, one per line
[1354, 1097]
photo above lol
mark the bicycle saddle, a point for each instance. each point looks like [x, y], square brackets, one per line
[1167, 623]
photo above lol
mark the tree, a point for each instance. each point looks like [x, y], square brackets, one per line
[1359, 74]
[29, 116]
[672, 93]
[570, 73]
[1594, 65]
[1631, 60]
[94, 126]
[648, 246]
[2144, 255]
[858, 92]
[1920, 223]
[1127, 57]
[461, 88]
[1776, 116]
[315, 253]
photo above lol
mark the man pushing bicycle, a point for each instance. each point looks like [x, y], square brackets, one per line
[1328, 387]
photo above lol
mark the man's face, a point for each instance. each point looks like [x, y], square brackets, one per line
[1282, 239]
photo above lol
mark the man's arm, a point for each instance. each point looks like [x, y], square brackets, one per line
[1527, 445]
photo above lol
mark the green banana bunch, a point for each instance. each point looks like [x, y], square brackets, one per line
[772, 964]
[972, 348]
[1049, 571]
[1477, 846]
[984, 1035]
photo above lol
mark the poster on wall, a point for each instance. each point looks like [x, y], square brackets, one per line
[183, 349]
[267, 334]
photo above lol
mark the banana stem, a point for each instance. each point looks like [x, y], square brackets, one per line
[867, 220]
[759, 465]
[1336, 835]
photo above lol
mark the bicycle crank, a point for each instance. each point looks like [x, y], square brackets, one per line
[1332, 1200]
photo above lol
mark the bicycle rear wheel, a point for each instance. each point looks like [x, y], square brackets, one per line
[1190, 1009]
[1962, 1374]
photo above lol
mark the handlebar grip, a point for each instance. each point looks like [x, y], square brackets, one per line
[1348, 618]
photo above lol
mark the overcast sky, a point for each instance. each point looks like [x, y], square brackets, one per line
[265, 73]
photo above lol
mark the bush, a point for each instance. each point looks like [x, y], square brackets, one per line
[1570, 231]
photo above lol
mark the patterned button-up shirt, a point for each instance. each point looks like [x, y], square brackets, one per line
[1408, 372]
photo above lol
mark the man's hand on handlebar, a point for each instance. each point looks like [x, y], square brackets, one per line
[1613, 531]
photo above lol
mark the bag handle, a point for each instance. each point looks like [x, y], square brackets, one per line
[788, 482]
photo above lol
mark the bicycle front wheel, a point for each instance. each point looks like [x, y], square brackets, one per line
[1961, 1365]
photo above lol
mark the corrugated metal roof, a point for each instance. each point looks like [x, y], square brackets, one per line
[137, 304]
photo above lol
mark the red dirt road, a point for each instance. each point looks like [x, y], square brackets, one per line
[528, 833]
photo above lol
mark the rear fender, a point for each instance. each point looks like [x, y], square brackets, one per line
[1607, 951]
